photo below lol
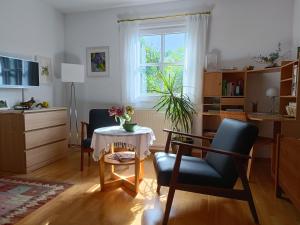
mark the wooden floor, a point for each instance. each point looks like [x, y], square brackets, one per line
[85, 204]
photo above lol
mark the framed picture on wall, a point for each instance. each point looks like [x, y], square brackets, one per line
[298, 53]
[97, 61]
[45, 69]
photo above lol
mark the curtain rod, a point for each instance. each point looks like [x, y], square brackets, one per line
[164, 17]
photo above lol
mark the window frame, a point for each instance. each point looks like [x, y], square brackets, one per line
[162, 31]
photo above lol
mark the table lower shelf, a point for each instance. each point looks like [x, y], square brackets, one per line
[131, 183]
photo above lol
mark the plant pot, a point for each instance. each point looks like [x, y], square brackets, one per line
[130, 127]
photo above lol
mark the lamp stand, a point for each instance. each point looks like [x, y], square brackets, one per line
[273, 105]
[73, 100]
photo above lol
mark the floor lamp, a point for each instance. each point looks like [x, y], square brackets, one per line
[72, 73]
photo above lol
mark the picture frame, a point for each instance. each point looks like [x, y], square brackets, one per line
[298, 52]
[45, 69]
[3, 105]
[97, 61]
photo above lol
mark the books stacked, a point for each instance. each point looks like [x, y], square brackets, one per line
[232, 88]
[294, 81]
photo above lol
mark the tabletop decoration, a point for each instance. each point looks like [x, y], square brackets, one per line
[139, 141]
[124, 115]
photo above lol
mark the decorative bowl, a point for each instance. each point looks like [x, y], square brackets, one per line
[130, 127]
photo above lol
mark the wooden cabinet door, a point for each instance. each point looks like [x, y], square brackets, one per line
[212, 84]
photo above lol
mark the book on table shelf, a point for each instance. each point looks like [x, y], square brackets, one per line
[123, 156]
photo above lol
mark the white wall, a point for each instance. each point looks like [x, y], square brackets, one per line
[240, 30]
[29, 28]
[296, 27]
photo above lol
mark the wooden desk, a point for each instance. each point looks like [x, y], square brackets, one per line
[277, 120]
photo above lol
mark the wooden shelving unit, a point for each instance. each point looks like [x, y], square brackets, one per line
[215, 99]
[288, 81]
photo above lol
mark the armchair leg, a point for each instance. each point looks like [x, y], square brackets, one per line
[89, 159]
[249, 195]
[169, 205]
[252, 209]
[81, 160]
[158, 189]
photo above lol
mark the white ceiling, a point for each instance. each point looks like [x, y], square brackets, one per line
[69, 6]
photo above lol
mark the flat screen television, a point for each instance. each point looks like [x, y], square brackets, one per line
[18, 73]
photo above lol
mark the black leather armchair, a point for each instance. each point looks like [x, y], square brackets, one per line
[97, 118]
[217, 173]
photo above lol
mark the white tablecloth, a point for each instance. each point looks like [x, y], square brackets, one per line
[141, 140]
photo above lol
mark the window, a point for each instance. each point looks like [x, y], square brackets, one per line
[160, 51]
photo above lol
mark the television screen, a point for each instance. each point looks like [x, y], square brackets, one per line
[18, 72]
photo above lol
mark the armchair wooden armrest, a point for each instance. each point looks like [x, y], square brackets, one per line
[187, 135]
[169, 139]
[214, 150]
[83, 125]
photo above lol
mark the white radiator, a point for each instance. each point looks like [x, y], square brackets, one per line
[156, 121]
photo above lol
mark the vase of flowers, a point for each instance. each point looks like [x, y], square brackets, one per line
[123, 115]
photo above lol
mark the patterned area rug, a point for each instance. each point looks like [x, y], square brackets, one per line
[19, 197]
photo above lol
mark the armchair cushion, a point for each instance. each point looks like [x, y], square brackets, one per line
[233, 136]
[86, 143]
[193, 171]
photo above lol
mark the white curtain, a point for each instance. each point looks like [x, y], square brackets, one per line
[129, 61]
[196, 38]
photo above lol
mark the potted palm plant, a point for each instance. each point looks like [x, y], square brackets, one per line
[177, 106]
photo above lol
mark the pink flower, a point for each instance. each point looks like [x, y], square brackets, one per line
[120, 111]
[116, 111]
[112, 111]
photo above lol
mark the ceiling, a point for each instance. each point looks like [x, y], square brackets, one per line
[69, 6]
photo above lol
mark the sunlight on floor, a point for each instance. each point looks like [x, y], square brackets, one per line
[93, 188]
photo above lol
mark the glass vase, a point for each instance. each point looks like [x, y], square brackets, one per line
[122, 121]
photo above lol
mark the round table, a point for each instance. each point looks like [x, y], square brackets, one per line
[103, 141]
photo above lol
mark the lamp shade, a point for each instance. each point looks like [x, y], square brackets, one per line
[271, 92]
[72, 73]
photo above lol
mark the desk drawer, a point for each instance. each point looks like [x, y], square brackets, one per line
[232, 101]
[41, 156]
[44, 119]
[41, 137]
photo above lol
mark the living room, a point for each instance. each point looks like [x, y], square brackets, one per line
[223, 61]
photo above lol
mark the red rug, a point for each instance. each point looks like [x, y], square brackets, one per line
[19, 197]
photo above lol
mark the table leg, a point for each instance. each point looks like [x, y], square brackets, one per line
[142, 171]
[101, 172]
[137, 174]
[112, 149]
[276, 132]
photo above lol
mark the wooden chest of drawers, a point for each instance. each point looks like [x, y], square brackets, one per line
[31, 139]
